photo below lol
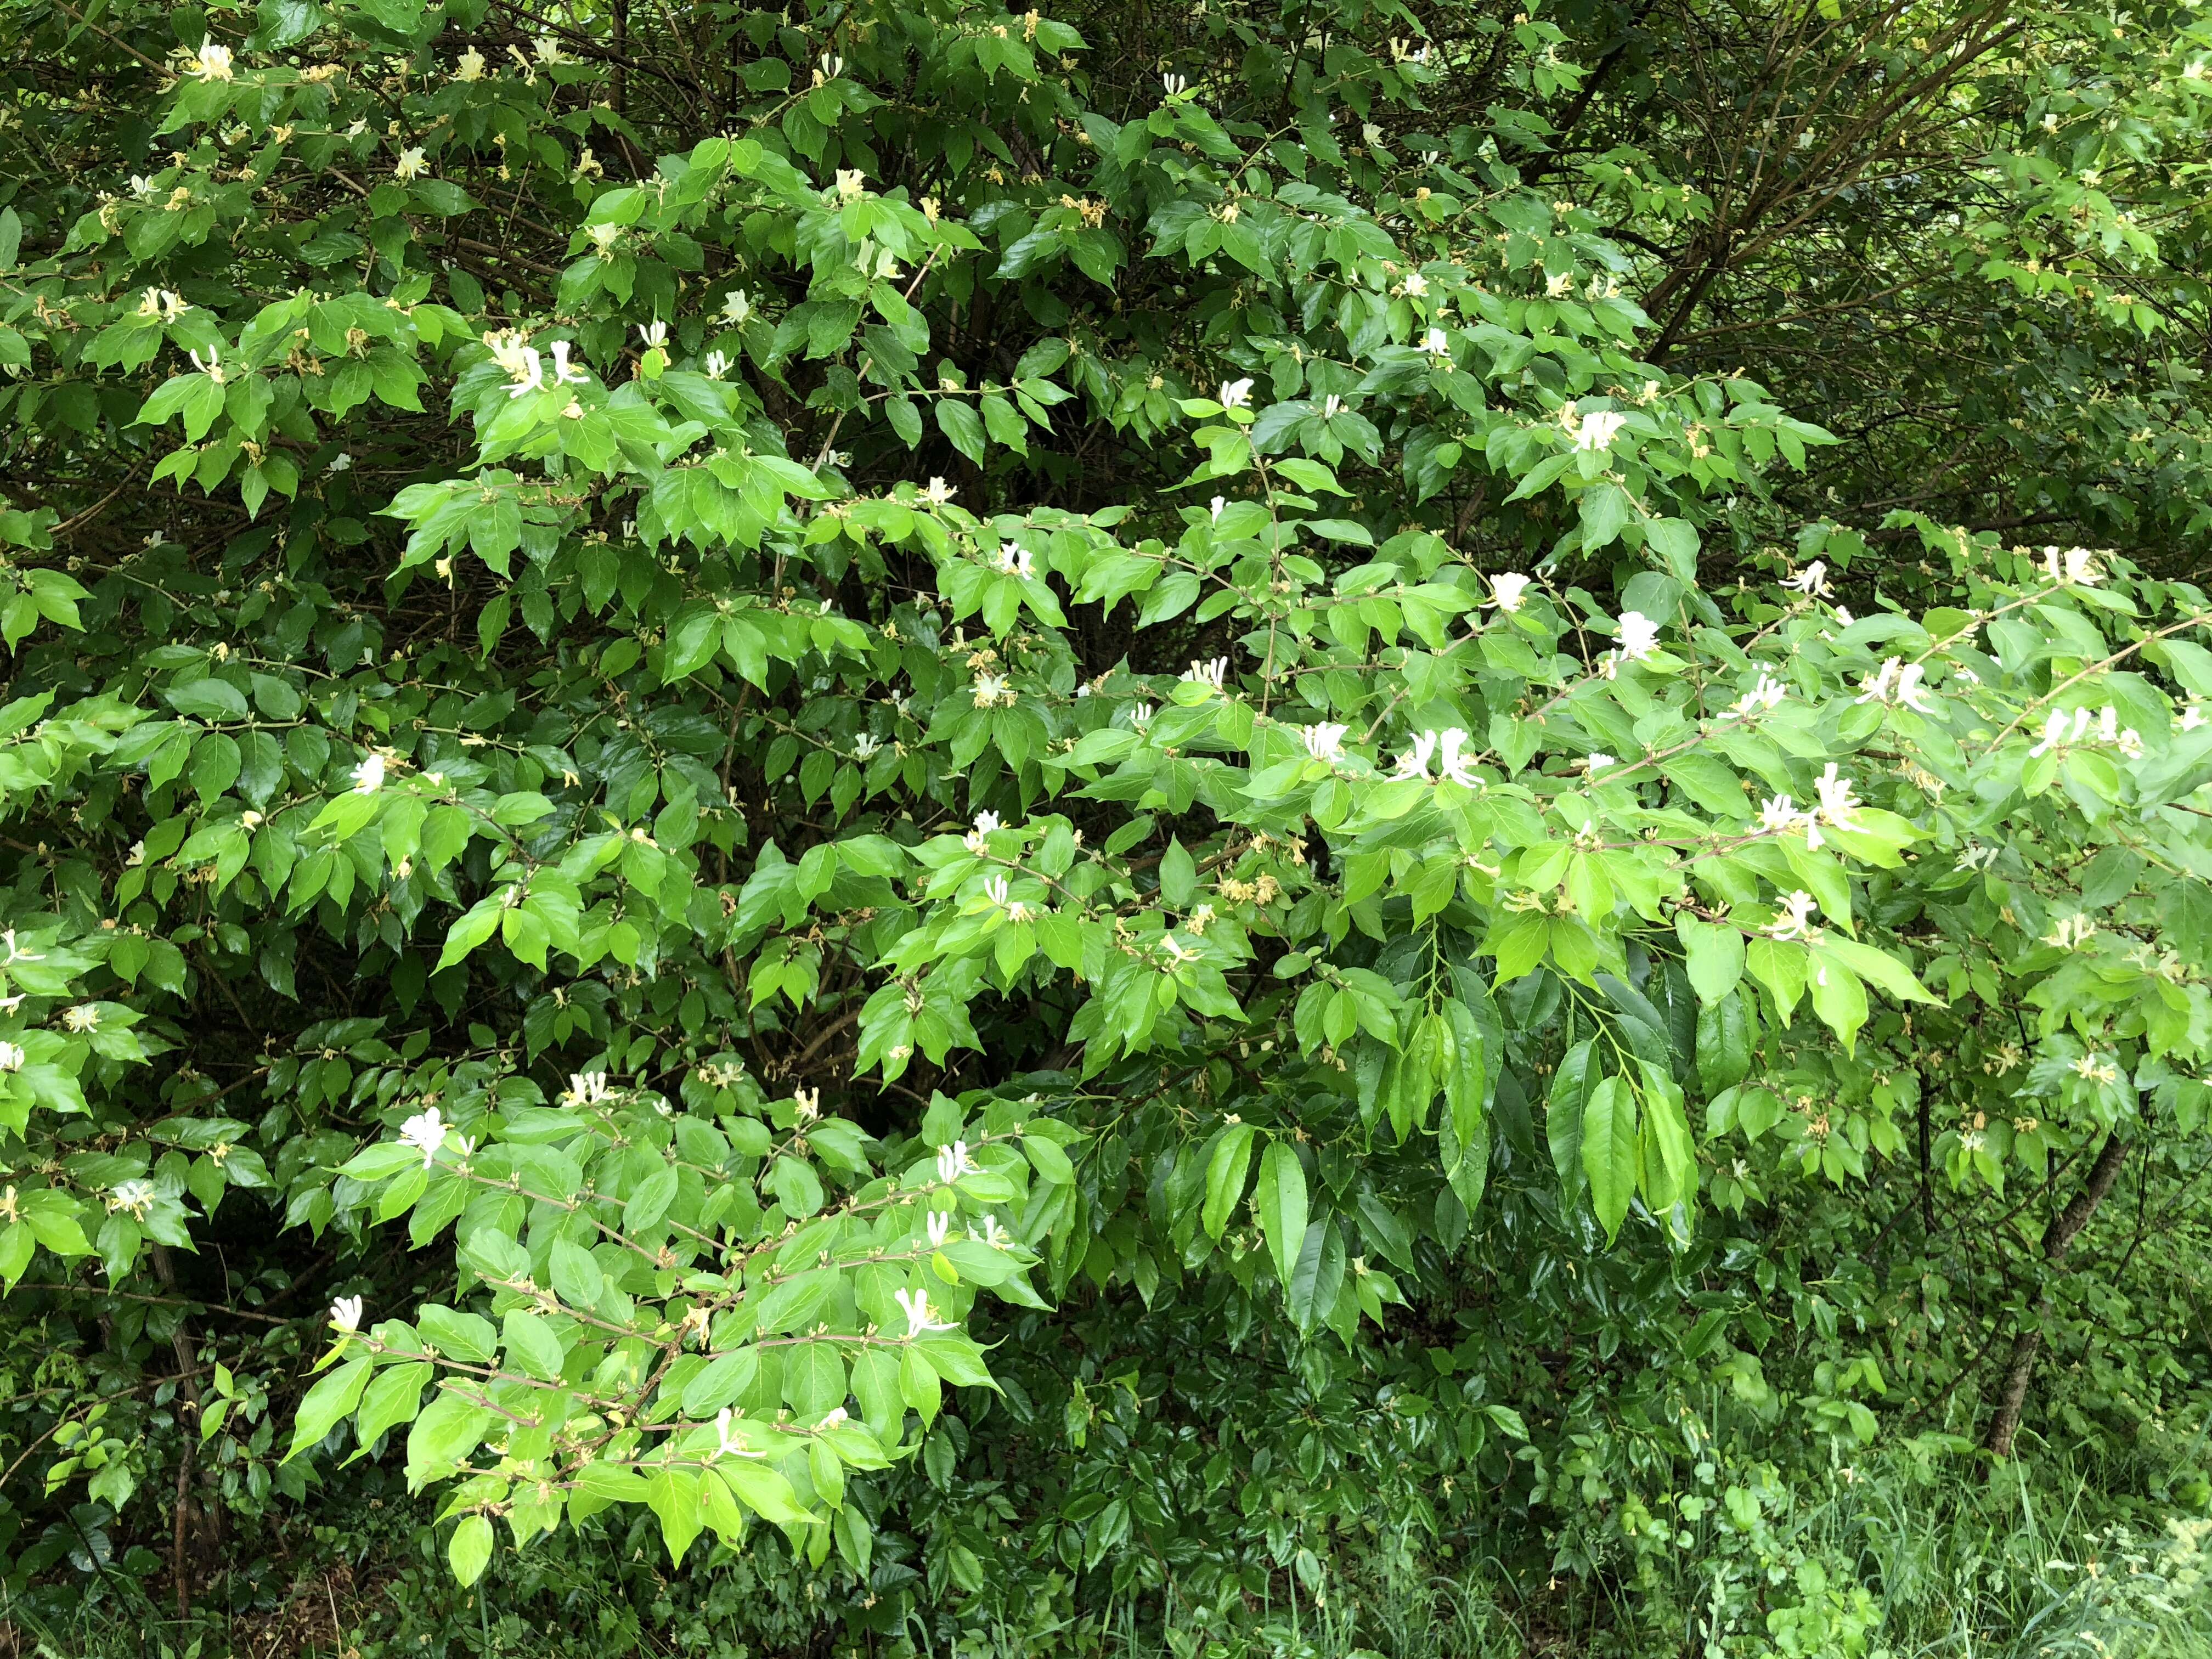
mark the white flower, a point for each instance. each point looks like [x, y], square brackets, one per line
[1837, 804]
[85, 1017]
[549, 51]
[2054, 734]
[408, 165]
[1600, 429]
[654, 334]
[1415, 284]
[1843, 617]
[1174, 85]
[1598, 760]
[212, 367]
[1236, 394]
[1455, 764]
[1766, 694]
[832, 66]
[832, 1419]
[1213, 675]
[211, 62]
[1436, 344]
[1508, 590]
[586, 1088]
[425, 1132]
[1140, 715]
[2074, 564]
[1797, 912]
[735, 305]
[940, 1229]
[1014, 560]
[953, 1162]
[850, 183]
[471, 66]
[2130, 743]
[919, 1317]
[345, 1314]
[727, 1441]
[1813, 578]
[1324, 742]
[564, 373]
[340, 462]
[1414, 763]
[1911, 694]
[806, 1104]
[1213, 507]
[135, 1196]
[717, 365]
[369, 774]
[992, 689]
[985, 823]
[939, 492]
[995, 889]
[12, 1057]
[1877, 688]
[1898, 681]
[1331, 406]
[141, 187]
[1639, 636]
[1777, 816]
[995, 1236]
[864, 747]
[528, 370]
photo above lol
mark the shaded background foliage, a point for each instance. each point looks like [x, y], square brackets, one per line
[1965, 240]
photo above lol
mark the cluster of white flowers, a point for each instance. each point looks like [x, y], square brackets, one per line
[1599, 428]
[1796, 920]
[1639, 636]
[12, 1056]
[1324, 742]
[994, 691]
[163, 303]
[1778, 815]
[975, 839]
[1014, 560]
[1508, 590]
[585, 1088]
[1330, 407]
[82, 1019]
[1175, 85]
[940, 1224]
[1236, 394]
[1455, 763]
[212, 367]
[2061, 732]
[1897, 682]
[2067, 566]
[345, 1314]
[135, 1196]
[369, 774]
[1813, 578]
[426, 1132]
[1766, 695]
[953, 1162]
[1435, 345]
[919, 1317]
[210, 63]
[1213, 675]
[806, 1104]
[410, 165]
[865, 747]
[996, 889]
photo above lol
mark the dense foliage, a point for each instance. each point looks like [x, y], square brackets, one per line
[1105, 830]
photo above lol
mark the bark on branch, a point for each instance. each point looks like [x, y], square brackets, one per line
[2057, 1238]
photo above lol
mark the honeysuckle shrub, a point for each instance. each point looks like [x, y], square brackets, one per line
[723, 684]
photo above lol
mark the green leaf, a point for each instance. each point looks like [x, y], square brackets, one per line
[1279, 1202]
[329, 1401]
[1608, 1152]
[1713, 954]
[1225, 1177]
[469, 1549]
